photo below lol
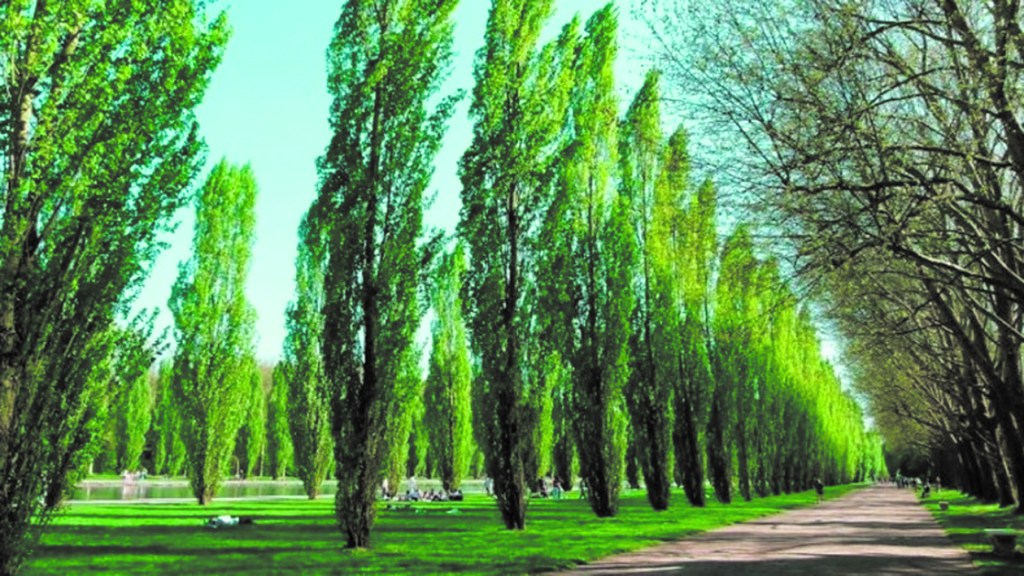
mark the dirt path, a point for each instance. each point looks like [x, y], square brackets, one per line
[877, 531]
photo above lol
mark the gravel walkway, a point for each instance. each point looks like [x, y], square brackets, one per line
[876, 531]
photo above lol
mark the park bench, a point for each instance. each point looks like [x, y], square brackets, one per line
[1004, 541]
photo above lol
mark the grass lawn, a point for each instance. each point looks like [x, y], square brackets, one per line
[299, 536]
[964, 522]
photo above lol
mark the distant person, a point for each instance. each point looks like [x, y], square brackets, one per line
[583, 488]
[385, 493]
[926, 491]
[556, 489]
[819, 489]
[488, 486]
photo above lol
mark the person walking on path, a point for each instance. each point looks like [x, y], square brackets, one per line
[819, 489]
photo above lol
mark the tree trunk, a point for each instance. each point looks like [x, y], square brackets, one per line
[688, 458]
[718, 456]
[655, 463]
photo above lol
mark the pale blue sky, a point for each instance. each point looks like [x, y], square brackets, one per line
[268, 104]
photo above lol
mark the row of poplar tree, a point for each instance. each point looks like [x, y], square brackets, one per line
[586, 323]
[883, 144]
[585, 281]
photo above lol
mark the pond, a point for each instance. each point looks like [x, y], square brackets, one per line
[176, 489]
[159, 489]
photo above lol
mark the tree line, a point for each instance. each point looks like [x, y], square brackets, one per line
[587, 322]
[884, 141]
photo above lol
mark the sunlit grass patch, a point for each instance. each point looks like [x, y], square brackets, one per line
[298, 536]
[965, 522]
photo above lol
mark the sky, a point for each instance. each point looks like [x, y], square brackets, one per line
[267, 105]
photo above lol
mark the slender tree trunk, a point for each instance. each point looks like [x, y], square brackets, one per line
[743, 459]
[688, 458]
[632, 463]
[655, 468]
[508, 467]
[718, 456]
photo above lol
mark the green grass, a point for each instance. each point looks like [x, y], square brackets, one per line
[298, 536]
[965, 521]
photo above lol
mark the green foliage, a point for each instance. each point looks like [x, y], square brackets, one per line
[587, 291]
[405, 408]
[133, 421]
[448, 416]
[386, 63]
[99, 146]
[309, 408]
[518, 111]
[280, 449]
[654, 339]
[213, 326]
[739, 323]
[563, 447]
[168, 448]
[252, 436]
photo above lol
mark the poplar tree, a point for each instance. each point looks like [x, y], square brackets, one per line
[693, 258]
[518, 111]
[213, 326]
[448, 417]
[309, 393]
[168, 448]
[252, 436]
[133, 420]
[386, 63]
[596, 244]
[280, 448]
[649, 390]
[99, 146]
[405, 407]
[739, 324]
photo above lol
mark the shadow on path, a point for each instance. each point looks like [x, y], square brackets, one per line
[873, 532]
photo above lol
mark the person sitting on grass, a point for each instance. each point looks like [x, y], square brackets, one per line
[456, 495]
[226, 521]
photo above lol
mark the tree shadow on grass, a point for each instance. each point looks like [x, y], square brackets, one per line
[833, 565]
[158, 550]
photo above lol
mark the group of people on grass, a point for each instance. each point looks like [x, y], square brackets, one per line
[129, 477]
[413, 493]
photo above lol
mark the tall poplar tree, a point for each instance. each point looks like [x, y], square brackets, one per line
[280, 448]
[99, 145]
[518, 112]
[738, 326]
[168, 448]
[133, 420]
[213, 326]
[597, 246]
[448, 417]
[386, 63]
[252, 436]
[309, 393]
[693, 257]
[649, 390]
